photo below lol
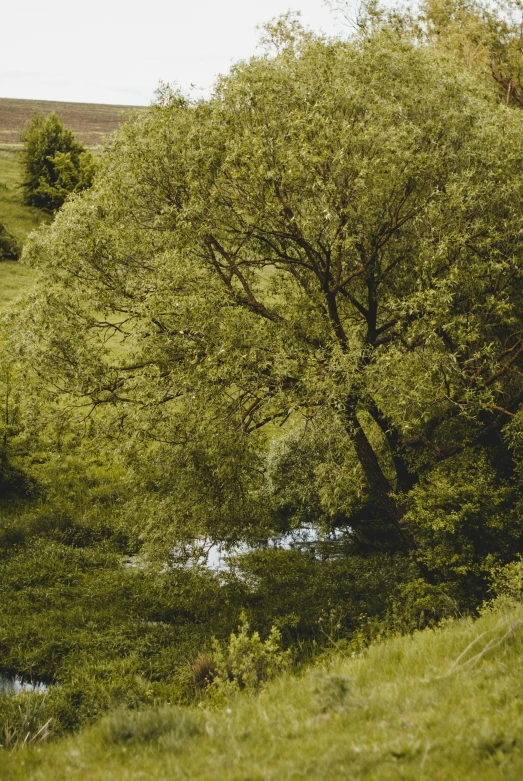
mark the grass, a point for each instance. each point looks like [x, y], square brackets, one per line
[15, 280]
[90, 122]
[443, 704]
[17, 218]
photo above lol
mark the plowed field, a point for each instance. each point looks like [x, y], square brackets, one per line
[90, 122]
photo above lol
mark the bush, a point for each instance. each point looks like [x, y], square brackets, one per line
[507, 581]
[9, 249]
[246, 662]
[55, 163]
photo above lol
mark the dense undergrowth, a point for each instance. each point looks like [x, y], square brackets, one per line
[445, 703]
[103, 627]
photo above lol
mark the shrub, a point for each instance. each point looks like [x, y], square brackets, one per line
[507, 581]
[246, 662]
[55, 163]
[9, 249]
[24, 720]
[203, 670]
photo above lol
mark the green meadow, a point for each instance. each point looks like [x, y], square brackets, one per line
[15, 279]
[17, 218]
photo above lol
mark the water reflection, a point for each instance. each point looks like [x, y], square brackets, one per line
[218, 557]
[13, 684]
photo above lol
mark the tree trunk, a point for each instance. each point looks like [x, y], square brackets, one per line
[405, 479]
[378, 483]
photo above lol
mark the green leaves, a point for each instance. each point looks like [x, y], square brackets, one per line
[334, 235]
[55, 164]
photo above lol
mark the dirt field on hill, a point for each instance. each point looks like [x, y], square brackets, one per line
[90, 122]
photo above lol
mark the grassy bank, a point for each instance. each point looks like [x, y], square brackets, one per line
[443, 704]
[17, 218]
[15, 280]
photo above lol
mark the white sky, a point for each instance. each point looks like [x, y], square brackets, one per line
[116, 51]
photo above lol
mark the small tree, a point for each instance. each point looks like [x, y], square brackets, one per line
[246, 662]
[55, 163]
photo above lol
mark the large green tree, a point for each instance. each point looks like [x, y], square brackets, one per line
[336, 237]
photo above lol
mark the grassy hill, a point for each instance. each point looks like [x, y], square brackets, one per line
[15, 280]
[18, 218]
[90, 122]
[443, 704]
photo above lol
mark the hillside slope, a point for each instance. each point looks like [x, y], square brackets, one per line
[444, 704]
[15, 280]
[18, 218]
[90, 122]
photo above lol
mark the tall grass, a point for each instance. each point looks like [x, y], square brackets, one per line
[26, 726]
[441, 704]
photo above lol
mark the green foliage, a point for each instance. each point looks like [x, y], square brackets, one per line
[312, 476]
[486, 38]
[150, 726]
[295, 303]
[101, 632]
[24, 721]
[415, 605]
[9, 249]
[246, 662]
[507, 581]
[468, 516]
[104, 630]
[315, 601]
[18, 218]
[55, 164]
[323, 241]
[406, 708]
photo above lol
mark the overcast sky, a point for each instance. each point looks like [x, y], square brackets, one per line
[116, 51]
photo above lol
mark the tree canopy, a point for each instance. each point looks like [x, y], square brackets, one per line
[329, 246]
